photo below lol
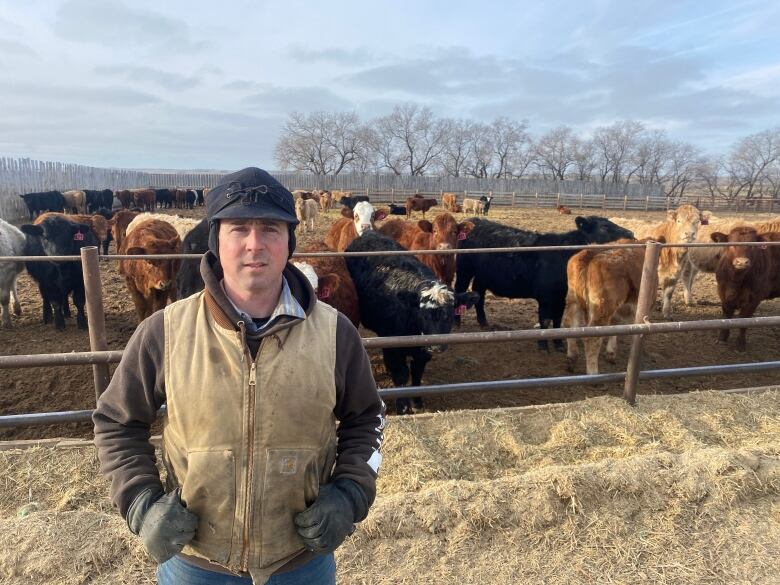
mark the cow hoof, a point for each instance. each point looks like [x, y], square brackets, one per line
[81, 323]
[570, 363]
[7, 325]
[542, 346]
[17, 310]
[559, 346]
[610, 357]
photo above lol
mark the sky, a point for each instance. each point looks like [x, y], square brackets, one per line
[209, 85]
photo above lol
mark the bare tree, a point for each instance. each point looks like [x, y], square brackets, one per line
[324, 143]
[751, 159]
[480, 156]
[555, 152]
[456, 148]
[679, 171]
[508, 138]
[584, 159]
[615, 145]
[649, 157]
[411, 138]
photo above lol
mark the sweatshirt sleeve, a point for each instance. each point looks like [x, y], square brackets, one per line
[360, 412]
[126, 411]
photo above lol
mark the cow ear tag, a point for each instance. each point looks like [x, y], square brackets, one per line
[324, 293]
[461, 236]
[460, 310]
[78, 236]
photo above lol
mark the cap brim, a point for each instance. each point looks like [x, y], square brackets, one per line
[239, 211]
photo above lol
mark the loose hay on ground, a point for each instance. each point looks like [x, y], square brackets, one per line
[680, 489]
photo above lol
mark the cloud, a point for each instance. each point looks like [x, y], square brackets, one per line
[273, 100]
[114, 24]
[353, 57]
[166, 79]
[16, 49]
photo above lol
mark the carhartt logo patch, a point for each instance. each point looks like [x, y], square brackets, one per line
[288, 465]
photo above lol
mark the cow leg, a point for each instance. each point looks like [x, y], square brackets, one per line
[419, 359]
[46, 303]
[744, 313]
[543, 317]
[556, 323]
[138, 300]
[105, 247]
[728, 313]
[15, 297]
[687, 275]
[59, 318]
[480, 305]
[668, 290]
[79, 300]
[573, 316]
[395, 364]
[5, 298]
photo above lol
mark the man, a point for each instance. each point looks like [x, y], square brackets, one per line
[254, 372]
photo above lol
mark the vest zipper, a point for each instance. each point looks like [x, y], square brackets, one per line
[250, 448]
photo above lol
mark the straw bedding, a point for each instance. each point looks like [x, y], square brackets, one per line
[680, 489]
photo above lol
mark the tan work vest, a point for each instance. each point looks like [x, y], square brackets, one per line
[248, 442]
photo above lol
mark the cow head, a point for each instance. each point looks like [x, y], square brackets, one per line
[445, 231]
[685, 222]
[600, 230]
[160, 274]
[739, 257]
[364, 216]
[438, 303]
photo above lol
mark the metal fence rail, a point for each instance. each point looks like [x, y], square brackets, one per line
[100, 358]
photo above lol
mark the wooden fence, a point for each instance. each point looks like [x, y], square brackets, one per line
[23, 175]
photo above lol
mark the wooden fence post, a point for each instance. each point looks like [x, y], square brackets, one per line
[647, 202]
[392, 195]
[513, 198]
[625, 201]
[644, 305]
[95, 316]
[582, 200]
[558, 201]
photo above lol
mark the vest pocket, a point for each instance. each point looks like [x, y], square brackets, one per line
[209, 491]
[291, 484]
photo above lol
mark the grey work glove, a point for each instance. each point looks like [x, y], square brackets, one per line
[330, 519]
[162, 521]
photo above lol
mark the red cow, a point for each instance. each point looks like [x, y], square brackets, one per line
[125, 197]
[150, 282]
[119, 224]
[335, 286]
[145, 199]
[441, 234]
[746, 275]
[418, 203]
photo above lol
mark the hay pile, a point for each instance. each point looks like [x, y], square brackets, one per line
[681, 489]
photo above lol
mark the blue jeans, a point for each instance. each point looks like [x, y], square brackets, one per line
[321, 570]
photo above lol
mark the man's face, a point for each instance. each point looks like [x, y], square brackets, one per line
[253, 253]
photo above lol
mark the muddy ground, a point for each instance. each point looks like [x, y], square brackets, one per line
[71, 388]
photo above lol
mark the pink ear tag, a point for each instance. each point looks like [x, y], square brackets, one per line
[460, 310]
[78, 236]
[324, 293]
[461, 236]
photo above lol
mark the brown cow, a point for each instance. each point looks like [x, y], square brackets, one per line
[354, 223]
[334, 283]
[125, 197]
[119, 224]
[563, 210]
[746, 275]
[145, 199]
[151, 282]
[418, 203]
[603, 290]
[97, 223]
[179, 198]
[449, 202]
[326, 201]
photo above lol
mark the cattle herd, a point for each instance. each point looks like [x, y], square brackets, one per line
[416, 294]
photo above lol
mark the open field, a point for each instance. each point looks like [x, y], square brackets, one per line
[71, 388]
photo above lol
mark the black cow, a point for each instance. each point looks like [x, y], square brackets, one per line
[98, 198]
[188, 279]
[190, 197]
[399, 295]
[397, 209]
[354, 200]
[57, 236]
[164, 198]
[486, 201]
[199, 200]
[527, 275]
[42, 201]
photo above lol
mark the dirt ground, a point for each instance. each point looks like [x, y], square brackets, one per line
[71, 388]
